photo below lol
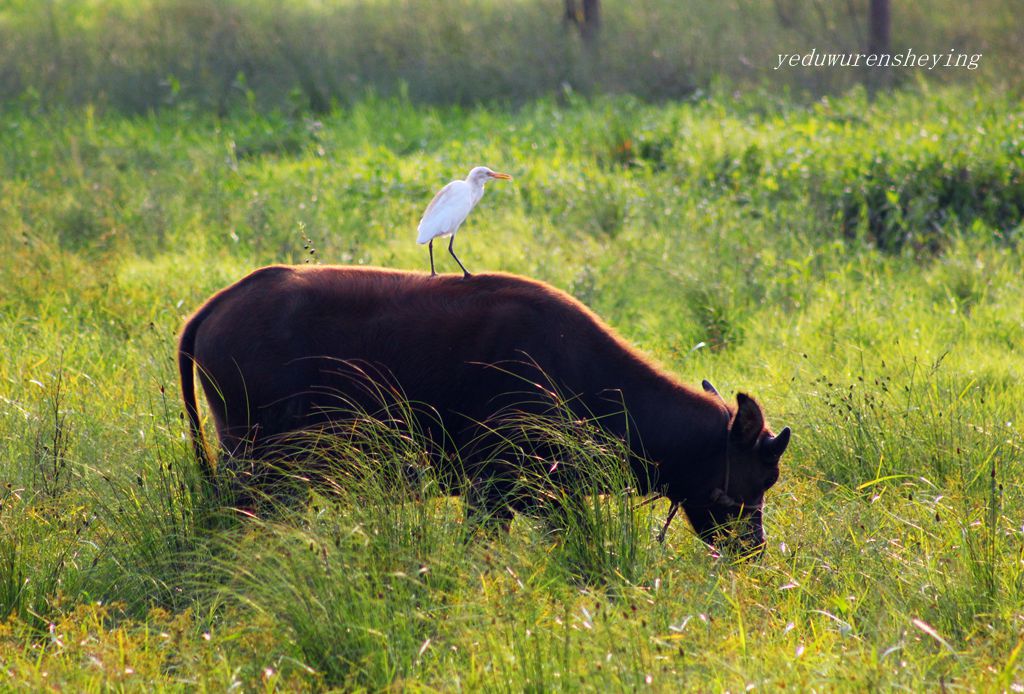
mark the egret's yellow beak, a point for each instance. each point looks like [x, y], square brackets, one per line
[502, 176]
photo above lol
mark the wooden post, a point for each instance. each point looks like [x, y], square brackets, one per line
[586, 17]
[879, 26]
[591, 26]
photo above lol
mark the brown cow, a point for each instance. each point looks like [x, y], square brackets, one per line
[270, 350]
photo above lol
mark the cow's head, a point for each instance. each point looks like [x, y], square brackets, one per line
[726, 503]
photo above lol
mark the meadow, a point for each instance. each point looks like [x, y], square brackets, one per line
[856, 265]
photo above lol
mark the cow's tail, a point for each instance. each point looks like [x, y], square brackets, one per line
[186, 369]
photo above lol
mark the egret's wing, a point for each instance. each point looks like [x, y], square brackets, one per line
[446, 211]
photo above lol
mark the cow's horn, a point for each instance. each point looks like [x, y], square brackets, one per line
[708, 388]
[776, 445]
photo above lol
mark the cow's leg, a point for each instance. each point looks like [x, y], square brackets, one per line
[489, 499]
[253, 472]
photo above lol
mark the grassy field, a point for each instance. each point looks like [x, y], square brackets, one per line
[856, 266]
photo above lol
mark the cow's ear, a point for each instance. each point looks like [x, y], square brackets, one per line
[748, 423]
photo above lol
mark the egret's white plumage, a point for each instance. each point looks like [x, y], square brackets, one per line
[449, 209]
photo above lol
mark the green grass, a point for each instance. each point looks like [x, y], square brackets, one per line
[856, 266]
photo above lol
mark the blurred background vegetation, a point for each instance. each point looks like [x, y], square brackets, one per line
[138, 55]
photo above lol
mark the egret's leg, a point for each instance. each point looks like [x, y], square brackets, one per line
[465, 272]
[431, 247]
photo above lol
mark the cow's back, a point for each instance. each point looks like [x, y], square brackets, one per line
[287, 347]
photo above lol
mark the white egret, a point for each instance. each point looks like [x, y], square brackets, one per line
[449, 209]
